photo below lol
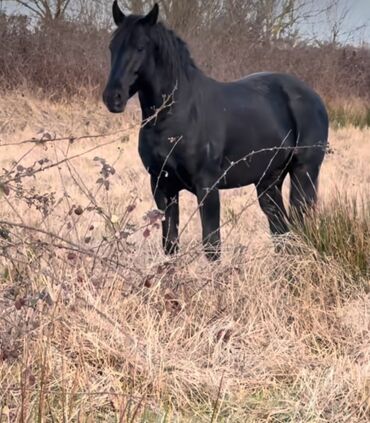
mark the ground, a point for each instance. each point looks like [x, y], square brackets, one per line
[96, 323]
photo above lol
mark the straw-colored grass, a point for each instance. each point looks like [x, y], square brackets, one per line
[349, 112]
[96, 324]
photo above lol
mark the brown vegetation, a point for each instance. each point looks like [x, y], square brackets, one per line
[69, 57]
[96, 323]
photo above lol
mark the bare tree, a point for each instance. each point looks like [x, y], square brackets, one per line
[178, 14]
[47, 10]
[276, 18]
[337, 14]
[250, 21]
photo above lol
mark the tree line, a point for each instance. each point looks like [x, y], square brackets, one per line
[265, 21]
[59, 48]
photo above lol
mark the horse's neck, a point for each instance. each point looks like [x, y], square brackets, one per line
[154, 97]
[159, 95]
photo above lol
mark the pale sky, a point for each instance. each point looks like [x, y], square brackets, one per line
[361, 13]
[360, 10]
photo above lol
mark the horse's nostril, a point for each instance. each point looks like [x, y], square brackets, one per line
[114, 99]
[117, 98]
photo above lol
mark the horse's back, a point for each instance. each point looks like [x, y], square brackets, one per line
[308, 113]
[285, 101]
[305, 105]
[267, 116]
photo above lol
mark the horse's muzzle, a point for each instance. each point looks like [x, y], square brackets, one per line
[115, 101]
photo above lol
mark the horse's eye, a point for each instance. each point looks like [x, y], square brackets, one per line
[141, 48]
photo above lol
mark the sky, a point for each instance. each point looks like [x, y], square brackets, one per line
[361, 11]
[358, 16]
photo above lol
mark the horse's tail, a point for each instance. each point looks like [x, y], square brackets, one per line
[311, 126]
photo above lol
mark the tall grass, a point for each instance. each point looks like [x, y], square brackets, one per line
[96, 324]
[341, 232]
[350, 113]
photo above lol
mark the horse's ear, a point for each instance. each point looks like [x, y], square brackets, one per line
[118, 15]
[152, 17]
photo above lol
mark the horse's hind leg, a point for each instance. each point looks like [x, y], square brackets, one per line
[303, 189]
[271, 201]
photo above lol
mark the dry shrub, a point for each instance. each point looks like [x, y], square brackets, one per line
[55, 60]
[70, 59]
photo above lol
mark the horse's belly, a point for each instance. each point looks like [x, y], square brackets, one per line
[251, 167]
[236, 176]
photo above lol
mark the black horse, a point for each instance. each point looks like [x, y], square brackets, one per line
[213, 135]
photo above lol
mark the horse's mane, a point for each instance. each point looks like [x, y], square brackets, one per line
[172, 52]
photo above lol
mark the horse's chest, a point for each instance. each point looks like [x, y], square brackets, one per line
[157, 156]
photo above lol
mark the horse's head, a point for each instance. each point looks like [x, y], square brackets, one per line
[129, 52]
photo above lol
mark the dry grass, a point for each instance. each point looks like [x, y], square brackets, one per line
[349, 112]
[97, 325]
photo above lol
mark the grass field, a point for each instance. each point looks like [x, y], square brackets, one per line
[96, 324]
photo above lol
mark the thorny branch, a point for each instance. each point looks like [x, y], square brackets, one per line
[17, 235]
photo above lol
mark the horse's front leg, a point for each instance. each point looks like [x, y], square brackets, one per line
[169, 204]
[209, 207]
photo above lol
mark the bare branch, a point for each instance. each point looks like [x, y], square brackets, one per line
[29, 7]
